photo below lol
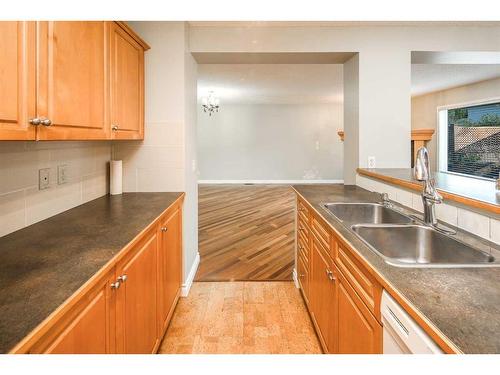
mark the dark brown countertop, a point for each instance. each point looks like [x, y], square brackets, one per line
[478, 193]
[461, 303]
[42, 265]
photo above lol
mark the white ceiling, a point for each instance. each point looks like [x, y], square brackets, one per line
[272, 83]
[320, 83]
[426, 78]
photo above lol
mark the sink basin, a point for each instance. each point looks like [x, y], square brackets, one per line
[420, 246]
[369, 213]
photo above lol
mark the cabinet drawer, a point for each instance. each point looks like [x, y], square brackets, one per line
[303, 249]
[321, 231]
[303, 231]
[302, 211]
[359, 278]
[303, 277]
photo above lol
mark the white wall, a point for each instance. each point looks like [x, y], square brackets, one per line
[424, 107]
[271, 142]
[384, 68]
[22, 204]
[351, 119]
[163, 161]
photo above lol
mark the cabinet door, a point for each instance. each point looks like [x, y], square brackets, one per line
[88, 328]
[73, 82]
[17, 80]
[136, 314]
[127, 85]
[170, 266]
[323, 294]
[358, 330]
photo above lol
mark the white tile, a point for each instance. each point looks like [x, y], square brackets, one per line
[404, 197]
[43, 204]
[364, 182]
[447, 213]
[129, 178]
[164, 134]
[80, 161]
[473, 222]
[94, 186]
[417, 202]
[19, 170]
[160, 179]
[150, 156]
[12, 212]
[495, 230]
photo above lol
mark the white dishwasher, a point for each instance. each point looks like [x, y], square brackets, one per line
[402, 335]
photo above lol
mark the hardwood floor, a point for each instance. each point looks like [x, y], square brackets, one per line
[246, 232]
[241, 318]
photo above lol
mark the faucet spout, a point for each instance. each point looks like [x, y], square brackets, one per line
[430, 195]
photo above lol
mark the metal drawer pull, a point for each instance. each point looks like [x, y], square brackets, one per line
[164, 229]
[122, 278]
[115, 285]
[330, 275]
[35, 121]
[45, 122]
[114, 127]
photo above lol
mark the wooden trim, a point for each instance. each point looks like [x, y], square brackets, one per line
[421, 134]
[133, 34]
[441, 339]
[53, 319]
[474, 203]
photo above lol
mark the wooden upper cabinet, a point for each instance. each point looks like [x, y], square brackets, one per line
[17, 80]
[73, 70]
[127, 85]
[358, 330]
[87, 328]
[169, 266]
[136, 299]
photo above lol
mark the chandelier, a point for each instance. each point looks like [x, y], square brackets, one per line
[210, 103]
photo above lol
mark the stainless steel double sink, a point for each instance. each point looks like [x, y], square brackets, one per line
[404, 242]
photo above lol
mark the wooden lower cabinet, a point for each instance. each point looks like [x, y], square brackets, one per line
[322, 292]
[136, 299]
[87, 327]
[345, 322]
[169, 266]
[358, 330]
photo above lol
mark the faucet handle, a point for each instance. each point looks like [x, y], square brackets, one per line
[384, 198]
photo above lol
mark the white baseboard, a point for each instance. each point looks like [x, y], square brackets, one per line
[285, 182]
[186, 286]
[295, 280]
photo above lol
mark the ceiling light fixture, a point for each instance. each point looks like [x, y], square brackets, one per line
[210, 103]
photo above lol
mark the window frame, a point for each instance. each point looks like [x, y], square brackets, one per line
[442, 134]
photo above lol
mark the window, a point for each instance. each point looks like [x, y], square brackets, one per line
[469, 140]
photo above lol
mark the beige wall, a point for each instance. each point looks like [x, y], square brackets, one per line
[424, 107]
[384, 69]
[22, 204]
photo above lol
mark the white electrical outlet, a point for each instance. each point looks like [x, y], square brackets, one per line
[371, 162]
[43, 178]
[62, 174]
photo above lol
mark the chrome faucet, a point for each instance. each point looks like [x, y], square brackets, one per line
[430, 196]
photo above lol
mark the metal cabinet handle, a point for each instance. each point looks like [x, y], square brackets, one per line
[330, 275]
[115, 285]
[114, 127]
[122, 278]
[164, 229]
[35, 121]
[45, 122]
[302, 276]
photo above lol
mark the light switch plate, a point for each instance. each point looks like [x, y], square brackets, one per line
[62, 174]
[43, 178]
[371, 162]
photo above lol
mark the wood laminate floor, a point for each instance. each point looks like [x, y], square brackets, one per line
[241, 318]
[246, 232]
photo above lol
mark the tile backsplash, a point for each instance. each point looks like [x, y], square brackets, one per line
[470, 221]
[22, 204]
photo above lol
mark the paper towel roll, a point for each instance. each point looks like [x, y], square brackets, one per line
[115, 177]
